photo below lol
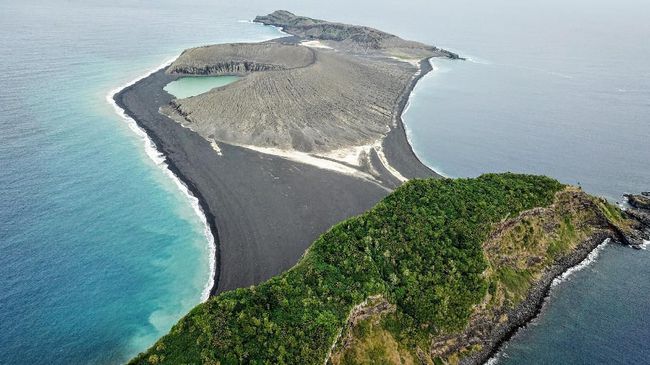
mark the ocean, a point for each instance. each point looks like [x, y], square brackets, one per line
[102, 251]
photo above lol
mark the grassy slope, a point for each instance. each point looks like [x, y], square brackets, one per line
[420, 248]
[518, 251]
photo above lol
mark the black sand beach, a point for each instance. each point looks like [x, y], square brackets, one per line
[263, 210]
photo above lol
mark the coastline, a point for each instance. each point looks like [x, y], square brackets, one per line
[222, 182]
[408, 131]
[398, 153]
[524, 314]
[160, 160]
[396, 144]
[395, 148]
[538, 295]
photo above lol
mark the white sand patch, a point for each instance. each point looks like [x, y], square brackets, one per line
[313, 160]
[350, 155]
[216, 148]
[384, 161]
[413, 61]
[314, 44]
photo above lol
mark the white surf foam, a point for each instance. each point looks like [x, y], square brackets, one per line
[645, 244]
[477, 60]
[593, 255]
[159, 159]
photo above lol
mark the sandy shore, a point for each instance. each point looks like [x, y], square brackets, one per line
[263, 210]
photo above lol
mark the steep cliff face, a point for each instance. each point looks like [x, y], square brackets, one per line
[440, 271]
[241, 59]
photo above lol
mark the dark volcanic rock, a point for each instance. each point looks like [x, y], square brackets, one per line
[354, 37]
[320, 29]
[639, 201]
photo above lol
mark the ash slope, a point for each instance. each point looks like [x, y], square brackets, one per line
[343, 93]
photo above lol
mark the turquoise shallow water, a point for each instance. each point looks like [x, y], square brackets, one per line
[100, 251]
[191, 86]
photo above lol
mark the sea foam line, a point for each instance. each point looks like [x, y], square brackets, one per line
[592, 257]
[160, 160]
[645, 244]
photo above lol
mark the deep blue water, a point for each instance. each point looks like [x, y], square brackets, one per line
[101, 252]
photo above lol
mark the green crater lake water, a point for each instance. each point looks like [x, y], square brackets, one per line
[195, 85]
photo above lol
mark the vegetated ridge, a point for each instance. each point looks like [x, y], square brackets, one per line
[440, 271]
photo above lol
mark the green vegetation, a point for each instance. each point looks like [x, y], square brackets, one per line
[518, 251]
[420, 248]
[516, 282]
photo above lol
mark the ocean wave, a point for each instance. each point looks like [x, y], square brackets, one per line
[160, 160]
[477, 60]
[593, 255]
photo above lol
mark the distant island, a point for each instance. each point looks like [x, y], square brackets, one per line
[428, 270]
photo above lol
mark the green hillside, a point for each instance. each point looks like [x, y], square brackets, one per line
[420, 251]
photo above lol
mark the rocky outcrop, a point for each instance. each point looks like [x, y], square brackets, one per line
[640, 212]
[641, 201]
[597, 226]
[319, 29]
[345, 36]
[241, 59]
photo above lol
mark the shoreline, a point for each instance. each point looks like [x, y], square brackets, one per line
[153, 151]
[399, 154]
[526, 312]
[539, 294]
[364, 200]
[433, 68]
[397, 136]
